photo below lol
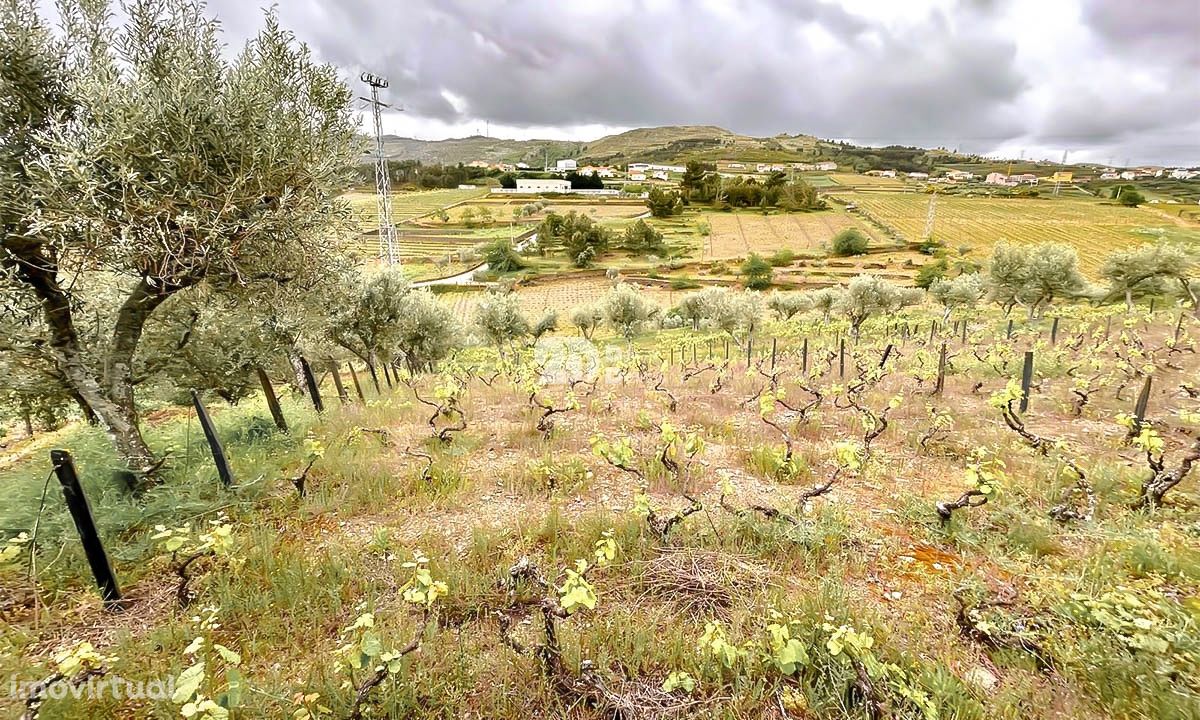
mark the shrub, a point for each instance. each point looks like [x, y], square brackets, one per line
[502, 257]
[850, 242]
[626, 310]
[782, 258]
[757, 272]
[499, 317]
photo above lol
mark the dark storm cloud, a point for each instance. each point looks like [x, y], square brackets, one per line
[946, 75]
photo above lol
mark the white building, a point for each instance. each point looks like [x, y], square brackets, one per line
[918, 176]
[649, 167]
[996, 178]
[540, 186]
[826, 166]
[565, 165]
[1128, 175]
[598, 170]
[660, 175]
[957, 175]
[1110, 176]
[637, 176]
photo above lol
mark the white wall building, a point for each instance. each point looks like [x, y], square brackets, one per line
[539, 186]
[565, 165]
[826, 166]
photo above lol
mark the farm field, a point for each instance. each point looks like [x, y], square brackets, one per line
[1093, 228]
[405, 205]
[738, 234]
[980, 610]
[560, 295]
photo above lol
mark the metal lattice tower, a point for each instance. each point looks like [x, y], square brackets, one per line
[389, 250]
[930, 216]
[1058, 183]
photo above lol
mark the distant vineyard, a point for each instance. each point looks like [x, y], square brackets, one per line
[1094, 229]
[405, 206]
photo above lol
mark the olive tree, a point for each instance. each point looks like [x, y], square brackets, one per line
[367, 314]
[720, 308]
[868, 295]
[626, 310]
[960, 293]
[824, 300]
[1034, 276]
[586, 318]
[499, 317]
[139, 150]
[788, 304]
[1149, 269]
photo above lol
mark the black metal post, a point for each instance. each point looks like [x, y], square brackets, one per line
[887, 352]
[1054, 331]
[841, 357]
[272, 400]
[1008, 333]
[1139, 409]
[1026, 379]
[941, 376]
[357, 385]
[374, 377]
[214, 442]
[774, 348]
[804, 357]
[311, 381]
[81, 513]
[337, 382]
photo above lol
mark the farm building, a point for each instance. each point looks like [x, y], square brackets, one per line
[565, 165]
[637, 176]
[996, 178]
[598, 171]
[826, 166]
[1024, 179]
[959, 175]
[918, 176]
[652, 167]
[536, 186]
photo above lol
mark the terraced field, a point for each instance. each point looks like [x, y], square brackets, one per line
[740, 233]
[558, 295]
[1093, 228]
[406, 205]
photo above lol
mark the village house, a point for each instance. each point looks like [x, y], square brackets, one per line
[637, 176]
[996, 178]
[479, 164]
[567, 165]
[598, 170]
[827, 166]
[1110, 176]
[959, 175]
[918, 176]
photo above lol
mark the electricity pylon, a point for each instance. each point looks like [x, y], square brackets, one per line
[389, 251]
[930, 216]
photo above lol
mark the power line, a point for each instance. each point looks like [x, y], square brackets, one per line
[388, 245]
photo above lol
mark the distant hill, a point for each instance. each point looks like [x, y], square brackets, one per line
[677, 144]
[478, 147]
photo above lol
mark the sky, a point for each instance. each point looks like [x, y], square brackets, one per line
[1110, 81]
